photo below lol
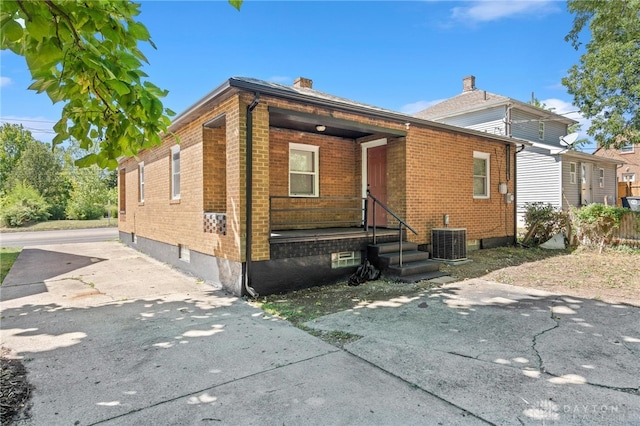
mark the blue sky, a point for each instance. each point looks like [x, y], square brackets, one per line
[401, 55]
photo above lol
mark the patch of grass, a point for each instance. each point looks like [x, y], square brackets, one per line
[8, 255]
[334, 337]
[54, 225]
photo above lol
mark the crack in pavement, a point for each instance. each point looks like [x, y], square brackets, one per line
[257, 373]
[534, 343]
[543, 370]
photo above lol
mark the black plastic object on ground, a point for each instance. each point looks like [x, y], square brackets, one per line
[364, 273]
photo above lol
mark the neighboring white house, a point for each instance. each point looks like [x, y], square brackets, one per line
[546, 170]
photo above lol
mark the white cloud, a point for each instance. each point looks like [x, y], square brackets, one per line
[5, 81]
[492, 10]
[414, 107]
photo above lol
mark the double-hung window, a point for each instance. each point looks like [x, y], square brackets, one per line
[601, 178]
[541, 130]
[573, 173]
[175, 172]
[141, 182]
[626, 148]
[303, 170]
[481, 174]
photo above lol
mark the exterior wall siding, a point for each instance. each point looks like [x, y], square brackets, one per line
[525, 126]
[539, 179]
[490, 120]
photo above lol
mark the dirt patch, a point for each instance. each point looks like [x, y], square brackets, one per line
[15, 390]
[613, 276]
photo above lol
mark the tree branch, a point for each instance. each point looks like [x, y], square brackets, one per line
[24, 10]
[54, 8]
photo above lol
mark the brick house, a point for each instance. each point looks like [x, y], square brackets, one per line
[302, 215]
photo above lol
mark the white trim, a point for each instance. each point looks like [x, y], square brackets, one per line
[541, 127]
[175, 196]
[316, 166]
[627, 145]
[601, 177]
[630, 177]
[365, 146]
[141, 182]
[487, 157]
[573, 176]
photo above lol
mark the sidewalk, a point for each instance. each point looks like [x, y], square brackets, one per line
[110, 336]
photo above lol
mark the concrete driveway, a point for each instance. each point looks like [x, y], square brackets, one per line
[110, 336]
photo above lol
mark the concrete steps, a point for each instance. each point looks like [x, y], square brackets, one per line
[416, 264]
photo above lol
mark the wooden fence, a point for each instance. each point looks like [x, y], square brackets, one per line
[629, 230]
[627, 189]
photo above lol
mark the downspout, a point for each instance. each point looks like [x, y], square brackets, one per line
[515, 192]
[249, 195]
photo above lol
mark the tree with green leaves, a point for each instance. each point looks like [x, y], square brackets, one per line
[39, 168]
[606, 83]
[86, 55]
[14, 140]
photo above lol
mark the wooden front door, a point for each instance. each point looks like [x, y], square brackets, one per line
[377, 182]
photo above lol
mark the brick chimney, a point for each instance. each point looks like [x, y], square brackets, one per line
[302, 82]
[469, 83]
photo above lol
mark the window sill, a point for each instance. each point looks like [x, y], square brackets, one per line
[176, 201]
[140, 203]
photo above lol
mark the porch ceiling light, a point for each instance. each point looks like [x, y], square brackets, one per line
[321, 127]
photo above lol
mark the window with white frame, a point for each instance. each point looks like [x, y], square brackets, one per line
[601, 178]
[175, 172]
[573, 173]
[541, 130]
[141, 182]
[303, 170]
[628, 177]
[626, 148]
[481, 174]
[573, 176]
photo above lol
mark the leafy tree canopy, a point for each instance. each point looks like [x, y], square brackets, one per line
[14, 140]
[86, 55]
[606, 83]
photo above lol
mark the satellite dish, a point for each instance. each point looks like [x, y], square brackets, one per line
[568, 140]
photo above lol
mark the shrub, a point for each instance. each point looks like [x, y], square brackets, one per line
[543, 221]
[596, 223]
[88, 196]
[22, 205]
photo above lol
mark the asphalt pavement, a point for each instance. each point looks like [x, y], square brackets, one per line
[111, 336]
[69, 236]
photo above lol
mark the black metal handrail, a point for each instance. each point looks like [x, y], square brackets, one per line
[401, 222]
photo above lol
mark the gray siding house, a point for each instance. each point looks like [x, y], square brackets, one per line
[546, 171]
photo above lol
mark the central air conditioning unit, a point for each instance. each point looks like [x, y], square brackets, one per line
[449, 243]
